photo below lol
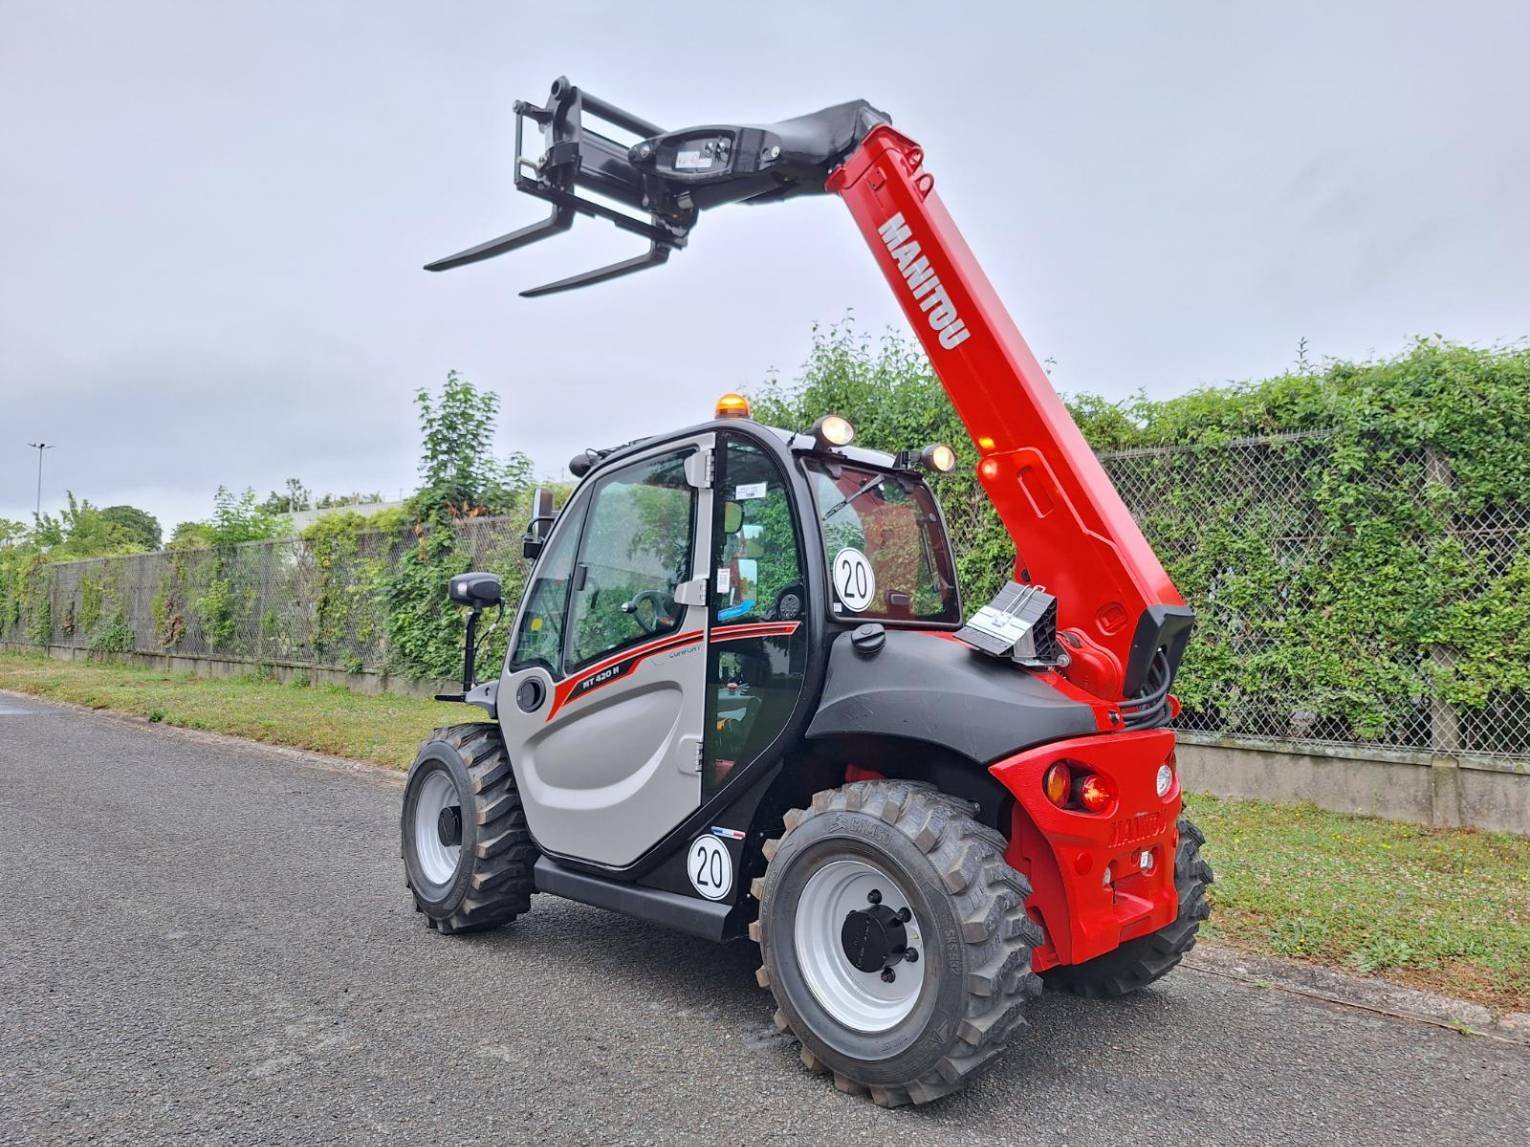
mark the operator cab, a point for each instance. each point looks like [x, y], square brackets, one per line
[673, 630]
[888, 557]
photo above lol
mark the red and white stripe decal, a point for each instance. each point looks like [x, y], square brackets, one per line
[754, 629]
[617, 666]
[621, 664]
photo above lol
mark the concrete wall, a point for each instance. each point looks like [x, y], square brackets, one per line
[1482, 792]
[1439, 790]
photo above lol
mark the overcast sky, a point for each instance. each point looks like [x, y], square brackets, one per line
[214, 214]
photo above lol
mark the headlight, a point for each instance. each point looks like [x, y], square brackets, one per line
[832, 430]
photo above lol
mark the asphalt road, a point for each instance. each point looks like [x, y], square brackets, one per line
[209, 941]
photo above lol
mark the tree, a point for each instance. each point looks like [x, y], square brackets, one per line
[332, 501]
[82, 530]
[293, 499]
[190, 536]
[240, 518]
[459, 475]
[459, 478]
[12, 532]
[139, 527]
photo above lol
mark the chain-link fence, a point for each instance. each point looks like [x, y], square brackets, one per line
[291, 601]
[1336, 605]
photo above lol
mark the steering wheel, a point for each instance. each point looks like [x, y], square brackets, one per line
[649, 608]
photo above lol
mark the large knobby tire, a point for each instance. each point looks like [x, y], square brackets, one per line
[918, 850]
[1137, 963]
[484, 880]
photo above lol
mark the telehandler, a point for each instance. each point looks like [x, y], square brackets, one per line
[742, 698]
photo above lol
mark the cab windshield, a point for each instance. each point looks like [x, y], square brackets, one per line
[889, 559]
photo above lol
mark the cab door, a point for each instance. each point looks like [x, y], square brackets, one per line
[604, 700]
[757, 647]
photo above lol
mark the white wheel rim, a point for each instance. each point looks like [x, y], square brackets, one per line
[861, 1001]
[437, 861]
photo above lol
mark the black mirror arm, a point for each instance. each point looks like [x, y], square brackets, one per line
[469, 655]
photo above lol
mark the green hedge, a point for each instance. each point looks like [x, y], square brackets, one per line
[350, 593]
[1353, 536]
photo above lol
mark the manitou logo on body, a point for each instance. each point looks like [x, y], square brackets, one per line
[924, 282]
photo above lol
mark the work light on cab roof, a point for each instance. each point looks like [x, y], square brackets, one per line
[832, 430]
[938, 457]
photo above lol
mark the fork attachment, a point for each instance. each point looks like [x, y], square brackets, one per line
[656, 187]
[580, 158]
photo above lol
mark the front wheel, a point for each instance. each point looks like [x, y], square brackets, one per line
[895, 939]
[467, 850]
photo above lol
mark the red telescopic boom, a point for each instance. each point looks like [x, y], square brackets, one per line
[1072, 533]
[1120, 621]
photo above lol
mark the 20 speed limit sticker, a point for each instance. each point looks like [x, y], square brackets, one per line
[710, 867]
[855, 582]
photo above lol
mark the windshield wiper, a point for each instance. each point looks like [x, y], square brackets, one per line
[843, 502]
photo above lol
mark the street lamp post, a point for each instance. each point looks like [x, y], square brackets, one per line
[39, 447]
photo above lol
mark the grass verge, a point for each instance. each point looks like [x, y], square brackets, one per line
[386, 730]
[1443, 909]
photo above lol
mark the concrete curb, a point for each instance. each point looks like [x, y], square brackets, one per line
[1363, 993]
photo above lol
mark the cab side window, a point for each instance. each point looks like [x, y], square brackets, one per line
[758, 651]
[539, 638]
[757, 559]
[636, 552]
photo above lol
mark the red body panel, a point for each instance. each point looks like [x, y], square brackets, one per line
[1073, 535]
[1065, 853]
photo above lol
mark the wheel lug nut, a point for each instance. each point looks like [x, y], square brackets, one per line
[912, 955]
[874, 896]
[905, 915]
[888, 975]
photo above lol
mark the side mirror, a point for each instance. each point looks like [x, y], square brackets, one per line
[733, 517]
[535, 536]
[536, 530]
[477, 590]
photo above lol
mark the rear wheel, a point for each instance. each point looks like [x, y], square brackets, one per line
[467, 851]
[895, 939]
[1137, 963]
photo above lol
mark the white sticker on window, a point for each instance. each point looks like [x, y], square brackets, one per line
[710, 867]
[724, 579]
[748, 490]
[855, 582]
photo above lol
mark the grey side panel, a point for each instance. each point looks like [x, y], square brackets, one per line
[609, 761]
[925, 687]
[485, 696]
